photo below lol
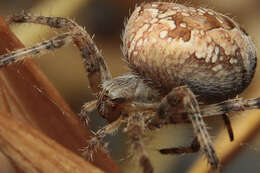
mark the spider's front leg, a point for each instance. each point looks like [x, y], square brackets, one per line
[183, 98]
[94, 62]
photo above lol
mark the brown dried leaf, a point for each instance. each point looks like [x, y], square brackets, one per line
[34, 152]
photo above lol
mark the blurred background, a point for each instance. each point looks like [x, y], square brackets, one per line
[105, 20]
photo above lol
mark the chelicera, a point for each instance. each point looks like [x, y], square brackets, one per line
[187, 63]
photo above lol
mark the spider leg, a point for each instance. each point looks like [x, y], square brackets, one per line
[194, 147]
[54, 22]
[228, 126]
[183, 98]
[38, 49]
[228, 106]
[96, 141]
[95, 64]
[135, 128]
[225, 107]
[87, 108]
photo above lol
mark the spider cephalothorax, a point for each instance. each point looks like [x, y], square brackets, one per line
[175, 52]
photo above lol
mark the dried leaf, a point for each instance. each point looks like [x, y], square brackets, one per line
[34, 152]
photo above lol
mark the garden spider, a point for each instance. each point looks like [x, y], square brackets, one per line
[186, 64]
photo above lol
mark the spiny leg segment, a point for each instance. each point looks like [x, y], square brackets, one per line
[38, 49]
[94, 62]
[229, 106]
[87, 109]
[135, 128]
[183, 98]
[96, 142]
[225, 107]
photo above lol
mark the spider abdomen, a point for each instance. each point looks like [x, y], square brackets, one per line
[170, 45]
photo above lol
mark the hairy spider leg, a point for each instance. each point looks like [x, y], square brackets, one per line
[229, 106]
[94, 62]
[135, 128]
[97, 140]
[183, 98]
[38, 49]
[88, 108]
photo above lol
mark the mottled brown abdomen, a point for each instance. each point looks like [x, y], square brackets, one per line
[171, 45]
